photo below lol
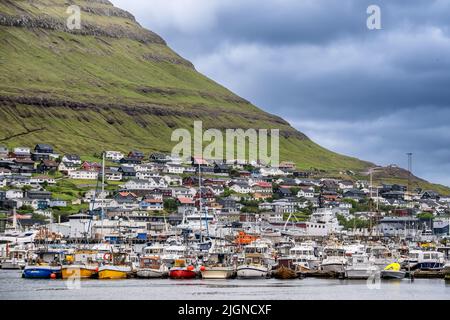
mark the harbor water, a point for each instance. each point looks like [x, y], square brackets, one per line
[12, 286]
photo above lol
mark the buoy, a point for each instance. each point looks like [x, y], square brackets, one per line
[53, 276]
[190, 268]
[202, 268]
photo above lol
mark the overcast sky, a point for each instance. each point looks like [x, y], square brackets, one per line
[373, 94]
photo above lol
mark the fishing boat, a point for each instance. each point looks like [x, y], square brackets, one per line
[218, 266]
[151, 267]
[303, 257]
[335, 260]
[425, 260]
[47, 265]
[381, 256]
[16, 259]
[286, 269]
[253, 267]
[254, 264]
[393, 271]
[118, 269]
[81, 264]
[182, 269]
[360, 267]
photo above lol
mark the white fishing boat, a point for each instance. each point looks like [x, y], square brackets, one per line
[335, 260]
[360, 267]
[424, 260]
[218, 266]
[381, 256]
[152, 267]
[16, 259]
[303, 257]
[255, 263]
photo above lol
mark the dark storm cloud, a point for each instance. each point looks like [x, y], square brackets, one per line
[372, 94]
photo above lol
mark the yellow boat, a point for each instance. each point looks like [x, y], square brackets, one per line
[114, 272]
[81, 271]
[80, 265]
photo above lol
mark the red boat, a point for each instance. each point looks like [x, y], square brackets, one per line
[181, 271]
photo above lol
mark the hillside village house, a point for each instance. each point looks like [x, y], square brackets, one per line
[127, 172]
[307, 193]
[173, 180]
[114, 155]
[14, 194]
[21, 153]
[48, 166]
[43, 152]
[152, 204]
[241, 187]
[83, 175]
[71, 158]
[271, 171]
[174, 169]
[67, 167]
[149, 184]
[135, 154]
[178, 192]
[262, 187]
[91, 166]
[42, 179]
[112, 175]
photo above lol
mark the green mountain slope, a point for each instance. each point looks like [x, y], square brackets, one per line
[115, 85]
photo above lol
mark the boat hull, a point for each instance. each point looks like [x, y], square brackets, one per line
[113, 272]
[284, 273]
[82, 272]
[41, 272]
[182, 274]
[252, 272]
[362, 274]
[429, 266]
[217, 273]
[335, 268]
[13, 265]
[391, 274]
[147, 273]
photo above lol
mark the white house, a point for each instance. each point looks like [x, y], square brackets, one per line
[112, 175]
[284, 206]
[22, 151]
[14, 194]
[307, 193]
[174, 169]
[138, 184]
[72, 158]
[114, 155]
[83, 175]
[67, 167]
[173, 180]
[241, 187]
[271, 171]
[42, 179]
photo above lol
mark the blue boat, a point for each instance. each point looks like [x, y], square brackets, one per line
[44, 266]
[41, 272]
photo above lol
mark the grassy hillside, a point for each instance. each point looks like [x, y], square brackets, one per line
[115, 85]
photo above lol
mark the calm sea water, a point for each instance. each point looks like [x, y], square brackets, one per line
[12, 286]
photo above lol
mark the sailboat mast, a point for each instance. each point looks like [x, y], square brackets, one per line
[200, 195]
[103, 191]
